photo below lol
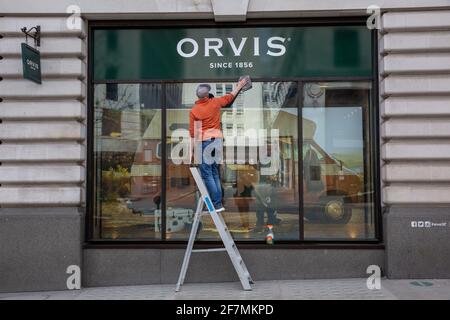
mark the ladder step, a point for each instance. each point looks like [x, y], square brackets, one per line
[210, 250]
[224, 232]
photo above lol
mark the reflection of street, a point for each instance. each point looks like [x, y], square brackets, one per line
[120, 223]
[356, 228]
[287, 230]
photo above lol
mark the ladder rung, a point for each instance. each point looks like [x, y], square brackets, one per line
[209, 250]
[224, 232]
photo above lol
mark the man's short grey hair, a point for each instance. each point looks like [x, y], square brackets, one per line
[203, 90]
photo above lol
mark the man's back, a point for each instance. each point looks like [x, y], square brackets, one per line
[207, 111]
[205, 117]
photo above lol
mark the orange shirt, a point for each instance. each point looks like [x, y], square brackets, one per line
[207, 110]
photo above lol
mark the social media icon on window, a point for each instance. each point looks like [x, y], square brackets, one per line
[420, 224]
[414, 224]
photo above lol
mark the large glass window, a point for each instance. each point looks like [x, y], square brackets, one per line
[325, 192]
[260, 170]
[299, 147]
[127, 166]
[299, 150]
[337, 167]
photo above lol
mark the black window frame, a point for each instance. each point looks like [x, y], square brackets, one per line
[374, 145]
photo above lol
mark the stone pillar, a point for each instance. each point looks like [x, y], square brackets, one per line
[415, 110]
[42, 155]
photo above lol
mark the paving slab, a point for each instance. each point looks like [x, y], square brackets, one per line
[322, 289]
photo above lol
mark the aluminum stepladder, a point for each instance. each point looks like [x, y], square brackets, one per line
[225, 235]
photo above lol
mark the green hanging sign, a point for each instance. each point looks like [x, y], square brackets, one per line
[222, 52]
[31, 61]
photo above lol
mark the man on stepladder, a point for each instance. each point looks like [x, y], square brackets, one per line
[204, 128]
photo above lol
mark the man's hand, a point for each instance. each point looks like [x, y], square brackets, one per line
[242, 83]
[239, 86]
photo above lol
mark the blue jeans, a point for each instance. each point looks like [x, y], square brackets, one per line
[210, 171]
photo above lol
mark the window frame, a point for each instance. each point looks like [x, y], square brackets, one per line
[373, 152]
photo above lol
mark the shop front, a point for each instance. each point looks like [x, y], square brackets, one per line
[341, 143]
[299, 149]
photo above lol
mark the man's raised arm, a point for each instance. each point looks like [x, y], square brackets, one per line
[228, 98]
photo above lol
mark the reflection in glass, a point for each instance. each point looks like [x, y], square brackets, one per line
[127, 168]
[337, 184]
[255, 194]
[259, 175]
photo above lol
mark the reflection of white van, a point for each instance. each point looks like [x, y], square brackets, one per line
[329, 188]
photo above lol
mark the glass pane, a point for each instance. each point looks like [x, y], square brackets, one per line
[337, 180]
[259, 174]
[127, 164]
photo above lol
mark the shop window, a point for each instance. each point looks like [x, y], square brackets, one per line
[337, 170]
[253, 194]
[337, 193]
[316, 182]
[128, 178]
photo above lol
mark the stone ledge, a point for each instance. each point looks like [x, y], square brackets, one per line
[418, 128]
[21, 89]
[421, 171]
[42, 152]
[50, 47]
[423, 149]
[416, 21]
[41, 174]
[107, 267]
[414, 85]
[417, 194]
[42, 130]
[63, 68]
[415, 107]
[416, 63]
[42, 110]
[415, 42]
[40, 196]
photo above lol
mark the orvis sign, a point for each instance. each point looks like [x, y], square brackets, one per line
[210, 53]
[216, 44]
[31, 62]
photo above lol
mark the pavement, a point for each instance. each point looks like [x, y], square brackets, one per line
[323, 289]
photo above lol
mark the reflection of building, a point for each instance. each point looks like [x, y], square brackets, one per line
[120, 110]
[236, 119]
[260, 108]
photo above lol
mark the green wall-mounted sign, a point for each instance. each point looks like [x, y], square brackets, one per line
[31, 61]
[209, 53]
